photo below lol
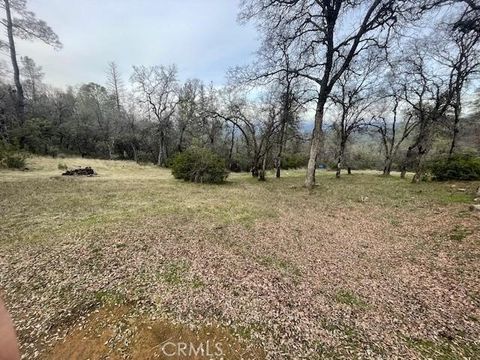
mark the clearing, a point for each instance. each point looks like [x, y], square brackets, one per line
[118, 264]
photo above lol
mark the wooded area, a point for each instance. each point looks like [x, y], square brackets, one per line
[387, 84]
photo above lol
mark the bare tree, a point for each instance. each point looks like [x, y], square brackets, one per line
[429, 94]
[464, 61]
[257, 124]
[392, 119]
[290, 91]
[95, 104]
[289, 108]
[273, 121]
[393, 129]
[354, 95]
[206, 124]
[21, 23]
[439, 68]
[157, 89]
[188, 104]
[115, 84]
[461, 53]
[323, 49]
[131, 119]
[469, 20]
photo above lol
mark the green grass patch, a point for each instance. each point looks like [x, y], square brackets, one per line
[445, 350]
[175, 272]
[279, 264]
[459, 233]
[454, 198]
[41, 205]
[109, 297]
[349, 298]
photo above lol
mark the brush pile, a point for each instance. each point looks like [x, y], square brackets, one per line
[86, 171]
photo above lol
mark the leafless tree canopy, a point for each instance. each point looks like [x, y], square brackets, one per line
[331, 77]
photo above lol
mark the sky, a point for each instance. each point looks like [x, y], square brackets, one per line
[202, 37]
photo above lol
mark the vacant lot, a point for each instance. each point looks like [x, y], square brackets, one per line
[362, 267]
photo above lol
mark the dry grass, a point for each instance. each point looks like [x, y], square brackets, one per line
[362, 267]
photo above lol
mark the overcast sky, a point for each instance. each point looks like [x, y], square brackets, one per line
[201, 36]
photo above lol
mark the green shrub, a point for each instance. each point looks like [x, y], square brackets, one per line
[199, 165]
[459, 167]
[294, 161]
[332, 165]
[145, 157]
[62, 166]
[11, 158]
[15, 161]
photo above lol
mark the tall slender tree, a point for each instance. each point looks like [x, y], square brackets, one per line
[21, 23]
[115, 84]
[32, 75]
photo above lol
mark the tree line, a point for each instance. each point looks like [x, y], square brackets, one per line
[424, 54]
[391, 75]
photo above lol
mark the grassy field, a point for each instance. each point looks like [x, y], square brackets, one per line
[362, 267]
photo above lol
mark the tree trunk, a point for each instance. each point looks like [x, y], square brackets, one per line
[316, 144]
[232, 144]
[278, 160]
[454, 141]
[416, 153]
[340, 159]
[456, 130]
[261, 173]
[423, 147]
[110, 146]
[457, 107]
[180, 141]
[134, 150]
[278, 165]
[255, 163]
[387, 169]
[20, 103]
[407, 161]
[339, 167]
[161, 150]
[419, 165]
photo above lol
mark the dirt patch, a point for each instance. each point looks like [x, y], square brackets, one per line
[119, 333]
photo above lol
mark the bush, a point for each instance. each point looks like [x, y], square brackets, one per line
[294, 161]
[235, 166]
[62, 166]
[199, 165]
[15, 161]
[11, 158]
[144, 157]
[459, 167]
